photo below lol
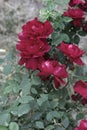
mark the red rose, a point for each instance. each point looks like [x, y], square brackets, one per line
[33, 43]
[83, 5]
[74, 13]
[72, 51]
[77, 23]
[82, 126]
[36, 29]
[31, 51]
[75, 2]
[84, 101]
[80, 87]
[53, 68]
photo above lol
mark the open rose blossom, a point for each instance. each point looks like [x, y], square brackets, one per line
[53, 68]
[76, 14]
[72, 52]
[31, 52]
[33, 44]
[36, 29]
[80, 87]
[83, 5]
[75, 2]
[82, 125]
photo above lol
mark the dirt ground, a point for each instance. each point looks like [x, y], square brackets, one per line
[13, 14]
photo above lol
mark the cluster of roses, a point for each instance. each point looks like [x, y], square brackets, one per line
[77, 10]
[34, 47]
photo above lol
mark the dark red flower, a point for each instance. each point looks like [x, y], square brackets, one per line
[31, 51]
[83, 5]
[36, 29]
[84, 101]
[32, 43]
[72, 51]
[75, 2]
[74, 13]
[80, 87]
[74, 97]
[77, 23]
[82, 126]
[53, 68]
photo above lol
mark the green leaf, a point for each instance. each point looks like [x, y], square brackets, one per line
[76, 39]
[25, 99]
[34, 91]
[65, 37]
[58, 38]
[13, 126]
[42, 99]
[25, 85]
[67, 19]
[12, 87]
[3, 128]
[60, 128]
[7, 69]
[53, 114]
[36, 116]
[49, 116]
[4, 119]
[10, 56]
[36, 81]
[79, 116]
[82, 33]
[1, 61]
[50, 127]
[65, 122]
[39, 124]
[21, 110]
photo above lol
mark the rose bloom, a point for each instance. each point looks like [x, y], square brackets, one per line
[84, 101]
[82, 126]
[83, 5]
[77, 23]
[31, 52]
[72, 52]
[74, 13]
[36, 29]
[80, 87]
[32, 44]
[75, 2]
[53, 68]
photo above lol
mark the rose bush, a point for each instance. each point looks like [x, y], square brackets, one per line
[49, 88]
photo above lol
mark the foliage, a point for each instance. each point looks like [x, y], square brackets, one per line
[29, 103]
